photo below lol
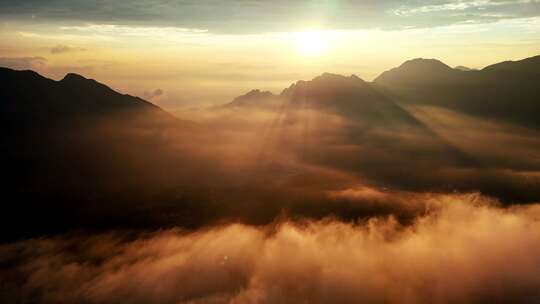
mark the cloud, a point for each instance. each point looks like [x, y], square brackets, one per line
[458, 252]
[22, 63]
[160, 32]
[465, 12]
[231, 16]
[60, 49]
[456, 6]
[153, 94]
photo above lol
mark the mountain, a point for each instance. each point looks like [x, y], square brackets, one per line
[75, 151]
[45, 119]
[421, 68]
[416, 70]
[78, 155]
[344, 122]
[463, 68]
[506, 91]
[348, 96]
[253, 98]
[528, 65]
[33, 98]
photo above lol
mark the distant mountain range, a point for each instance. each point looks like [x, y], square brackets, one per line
[372, 127]
[529, 65]
[79, 154]
[349, 96]
[378, 120]
[506, 91]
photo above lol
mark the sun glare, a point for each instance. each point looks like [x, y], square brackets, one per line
[310, 43]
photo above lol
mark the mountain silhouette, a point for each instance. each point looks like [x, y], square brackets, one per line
[371, 126]
[378, 138]
[349, 97]
[32, 99]
[528, 65]
[76, 124]
[506, 91]
[253, 98]
[79, 155]
[416, 70]
[71, 147]
[421, 67]
[463, 68]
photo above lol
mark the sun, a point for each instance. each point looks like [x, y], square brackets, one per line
[310, 43]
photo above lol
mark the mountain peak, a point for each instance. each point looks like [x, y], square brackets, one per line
[251, 97]
[325, 82]
[424, 64]
[463, 68]
[527, 65]
[336, 77]
[418, 68]
[72, 98]
[21, 75]
[258, 93]
[327, 75]
[73, 77]
[91, 86]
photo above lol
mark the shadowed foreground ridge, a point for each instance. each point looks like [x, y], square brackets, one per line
[72, 146]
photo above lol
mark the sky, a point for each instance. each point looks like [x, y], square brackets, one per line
[181, 54]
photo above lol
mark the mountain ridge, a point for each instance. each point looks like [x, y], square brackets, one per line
[527, 65]
[505, 91]
[75, 145]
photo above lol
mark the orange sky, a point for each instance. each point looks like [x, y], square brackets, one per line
[203, 63]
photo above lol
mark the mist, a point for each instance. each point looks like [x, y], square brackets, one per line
[464, 248]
